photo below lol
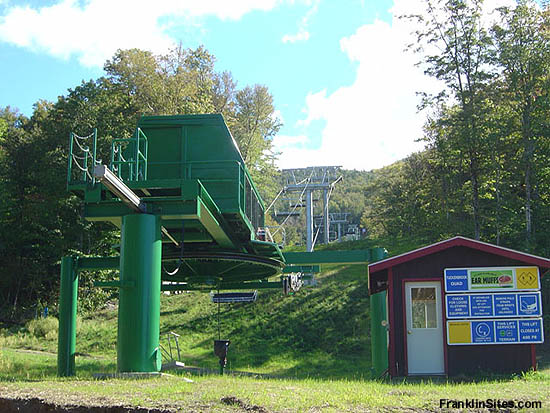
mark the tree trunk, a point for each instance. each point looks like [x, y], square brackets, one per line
[474, 174]
[528, 210]
[497, 215]
[528, 150]
[18, 289]
[475, 202]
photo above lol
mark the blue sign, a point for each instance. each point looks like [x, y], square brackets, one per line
[506, 331]
[493, 305]
[456, 280]
[505, 305]
[483, 332]
[476, 332]
[458, 306]
[491, 279]
[528, 304]
[481, 305]
[530, 331]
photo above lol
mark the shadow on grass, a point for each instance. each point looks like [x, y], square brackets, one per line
[317, 332]
[17, 366]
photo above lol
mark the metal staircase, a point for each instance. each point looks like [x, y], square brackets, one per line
[170, 351]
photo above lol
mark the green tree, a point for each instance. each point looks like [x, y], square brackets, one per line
[255, 122]
[40, 221]
[184, 81]
[179, 82]
[254, 125]
[523, 54]
[456, 50]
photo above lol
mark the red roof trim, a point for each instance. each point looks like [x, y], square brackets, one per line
[459, 242]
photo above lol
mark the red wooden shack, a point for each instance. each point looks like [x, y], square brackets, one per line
[417, 319]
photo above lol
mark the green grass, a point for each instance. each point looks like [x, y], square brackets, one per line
[315, 342]
[31, 365]
[320, 331]
[206, 392]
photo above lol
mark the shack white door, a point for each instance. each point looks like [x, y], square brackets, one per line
[424, 328]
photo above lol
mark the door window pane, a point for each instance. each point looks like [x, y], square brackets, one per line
[424, 312]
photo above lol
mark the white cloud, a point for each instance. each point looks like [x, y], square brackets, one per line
[278, 115]
[285, 141]
[303, 35]
[374, 121]
[95, 30]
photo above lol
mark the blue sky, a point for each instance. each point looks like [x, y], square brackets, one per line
[342, 84]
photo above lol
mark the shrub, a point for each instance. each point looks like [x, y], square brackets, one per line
[43, 327]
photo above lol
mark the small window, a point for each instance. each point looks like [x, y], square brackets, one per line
[424, 313]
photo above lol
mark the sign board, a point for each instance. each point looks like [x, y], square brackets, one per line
[459, 280]
[478, 332]
[499, 305]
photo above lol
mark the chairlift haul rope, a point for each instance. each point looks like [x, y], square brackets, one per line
[180, 261]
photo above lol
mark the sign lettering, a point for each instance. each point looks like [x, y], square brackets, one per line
[491, 279]
[476, 332]
[493, 305]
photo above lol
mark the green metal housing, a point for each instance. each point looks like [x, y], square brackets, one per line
[379, 323]
[191, 216]
[188, 170]
[182, 177]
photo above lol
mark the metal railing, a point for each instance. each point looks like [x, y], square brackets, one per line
[168, 351]
[82, 158]
[264, 234]
[135, 167]
[247, 196]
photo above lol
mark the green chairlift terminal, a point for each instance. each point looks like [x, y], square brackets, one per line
[190, 219]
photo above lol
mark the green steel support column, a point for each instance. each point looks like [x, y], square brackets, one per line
[67, 318]
[379, 335]
[139, 303]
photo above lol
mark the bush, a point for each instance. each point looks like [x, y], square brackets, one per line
[43, 327]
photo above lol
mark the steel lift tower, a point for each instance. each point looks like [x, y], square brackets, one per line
[307, 181]
[339, 218]
[190, 218]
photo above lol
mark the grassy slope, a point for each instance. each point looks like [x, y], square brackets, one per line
[317, 339]
[319, 331]
[282, 395]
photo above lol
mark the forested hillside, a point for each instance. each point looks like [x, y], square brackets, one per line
[40, 221]
[485, 172]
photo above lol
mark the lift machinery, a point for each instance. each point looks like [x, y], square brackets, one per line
[189, 215]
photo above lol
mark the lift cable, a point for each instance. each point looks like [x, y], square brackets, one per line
[328, 199]
[180, 261]
[295, 206]
[315, 239]
[272, 202]
[280, 192]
